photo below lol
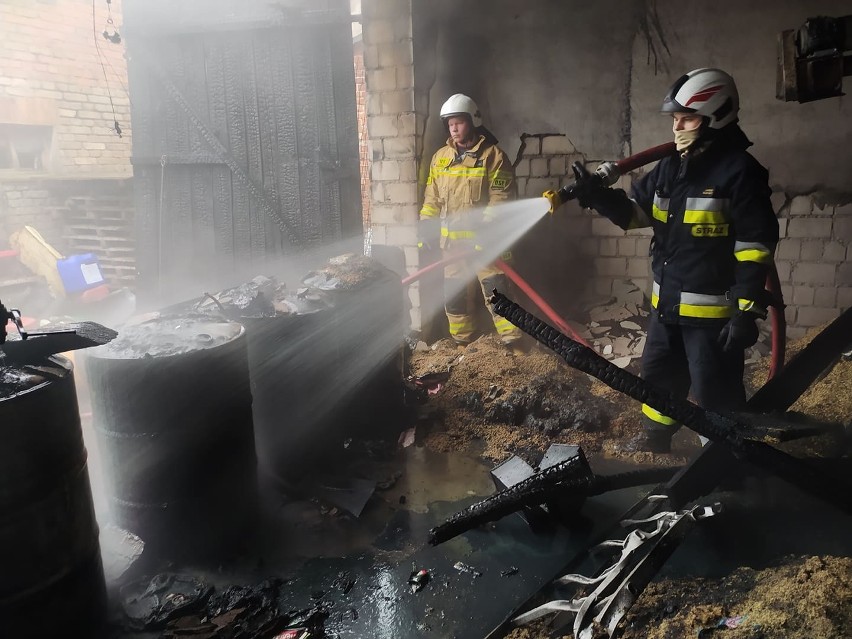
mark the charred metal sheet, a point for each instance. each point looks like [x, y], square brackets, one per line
[722, 428]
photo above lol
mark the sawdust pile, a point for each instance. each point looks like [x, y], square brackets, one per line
[496, 403]
[827, 400]
[807, 597]
[802, 597]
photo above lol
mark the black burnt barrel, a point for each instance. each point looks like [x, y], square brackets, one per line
[171, 408]
[51, 576]
[329, 370]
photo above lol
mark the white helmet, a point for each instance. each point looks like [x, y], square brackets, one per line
[708, 92]
[460, 104]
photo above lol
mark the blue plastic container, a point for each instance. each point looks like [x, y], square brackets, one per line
[80, 272]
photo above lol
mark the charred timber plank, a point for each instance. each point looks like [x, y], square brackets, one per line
[571, 473]
[287, 171]
[307, 135]
[714, 426]
[253, 150]
[232, 56]
[564, 480]
[235, 111]
[221, 181]
[266, 88]
[347, 152]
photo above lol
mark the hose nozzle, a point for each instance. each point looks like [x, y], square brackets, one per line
[554, 199]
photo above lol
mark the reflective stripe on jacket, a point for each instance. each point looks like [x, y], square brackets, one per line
[714, 231]
[459, 182]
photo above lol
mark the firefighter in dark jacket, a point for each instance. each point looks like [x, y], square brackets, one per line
[714, 238]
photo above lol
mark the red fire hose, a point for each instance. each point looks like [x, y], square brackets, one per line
[513, 275]
[551, 314]
[645, 157]
[778, 323]
[773, 285]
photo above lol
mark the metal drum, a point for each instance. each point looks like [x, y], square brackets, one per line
[50, 561]
[171, 408]
[335, 372]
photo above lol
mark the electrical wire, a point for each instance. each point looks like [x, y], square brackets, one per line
[115, 39]
[116, 126]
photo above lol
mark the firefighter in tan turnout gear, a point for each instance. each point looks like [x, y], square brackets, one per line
[714, 238]
[466, 177]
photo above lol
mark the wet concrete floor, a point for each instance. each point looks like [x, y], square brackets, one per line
[316, 552]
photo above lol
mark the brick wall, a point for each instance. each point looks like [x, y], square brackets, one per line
[811, 258]
[586, 255]
[51, 75]
[52, 80]
[76, 216]
[607, 254]
[363, 137]
[389, 67]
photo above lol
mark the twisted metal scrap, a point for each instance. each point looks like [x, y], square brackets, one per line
[717, 427]
[617, 587]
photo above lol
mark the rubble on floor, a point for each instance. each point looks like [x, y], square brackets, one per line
[512, 404]
[807, 597]
[183, 605]
[485, 399]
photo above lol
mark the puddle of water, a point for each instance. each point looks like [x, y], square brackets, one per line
[430, 477]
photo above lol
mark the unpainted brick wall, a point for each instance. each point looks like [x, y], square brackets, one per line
[394, 191]
[812, 257]
[363, 137]
[52, 70]
[607, 253]
[49, 57]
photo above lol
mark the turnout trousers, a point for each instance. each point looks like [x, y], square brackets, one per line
[687, 360]
[460, 297]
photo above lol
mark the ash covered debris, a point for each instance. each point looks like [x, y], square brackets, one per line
[184, 605]
[167, 336]
[547, 404]
[264, 296]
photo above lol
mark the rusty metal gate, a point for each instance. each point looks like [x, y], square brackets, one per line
[244, 130]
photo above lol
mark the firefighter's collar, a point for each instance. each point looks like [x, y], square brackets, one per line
[474, 150]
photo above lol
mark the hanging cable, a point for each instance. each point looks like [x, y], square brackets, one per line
[116, 126]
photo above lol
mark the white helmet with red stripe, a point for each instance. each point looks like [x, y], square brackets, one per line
[708, 92]
[460, 104]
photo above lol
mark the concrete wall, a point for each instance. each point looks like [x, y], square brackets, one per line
[578, 80]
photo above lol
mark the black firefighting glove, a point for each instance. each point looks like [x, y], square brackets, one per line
[428, 233]
[587, 186]
[591, 193]
[739, 333]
